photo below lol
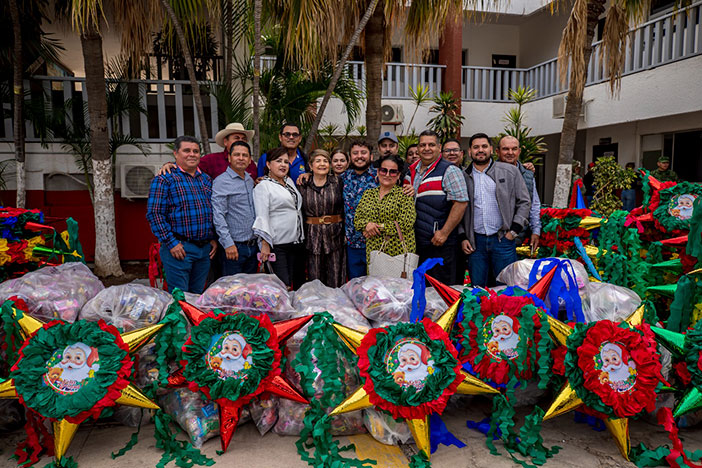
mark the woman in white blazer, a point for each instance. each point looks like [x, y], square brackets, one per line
[278, 222]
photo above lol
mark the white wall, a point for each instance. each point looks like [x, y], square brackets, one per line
[485, 38]
[540, 35]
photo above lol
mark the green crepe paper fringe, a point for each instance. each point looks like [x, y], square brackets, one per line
[694, 243]
[133, 440]
[419, 460]
[618, 258]
[198, 371]
[13, 338]
[66, 462]
[323, 349]
[693, 353]
[46, 341]
[646, 187]
[180, 451]
[668, 221]
[687, 295]
[642, 456]
[435, 384]
[528, 443]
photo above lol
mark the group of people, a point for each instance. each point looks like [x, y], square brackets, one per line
[319, 216]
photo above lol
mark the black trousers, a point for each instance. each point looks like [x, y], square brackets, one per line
[289, 264]
[445, 273]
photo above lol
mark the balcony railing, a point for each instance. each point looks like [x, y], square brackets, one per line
[672, 37]
[171, 111]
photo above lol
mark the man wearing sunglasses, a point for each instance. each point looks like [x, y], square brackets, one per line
[290, 139]
[442, 198]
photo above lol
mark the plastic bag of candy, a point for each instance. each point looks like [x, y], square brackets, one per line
[264, 413]
[315, 297]
[610, 302]
[198, 416]
[127, 306]
[385, 429]
[436, 306]
[251, 294]
[383, 301]
[57, 292]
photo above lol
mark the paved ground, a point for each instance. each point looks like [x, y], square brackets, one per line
[581, 446]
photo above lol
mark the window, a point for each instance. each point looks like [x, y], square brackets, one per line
[504, 61]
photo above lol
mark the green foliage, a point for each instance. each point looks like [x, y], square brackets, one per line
[327, 139]
[420, 96]
[532, 147]
[405, 141]
[448, 121]
[609, 176]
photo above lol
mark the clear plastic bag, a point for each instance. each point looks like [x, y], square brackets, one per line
[54, 292]
[435, 304]
[198, 416]
[610, 302]
[264, 413]
[383, 301]
[385, 429]
[251, 294]
[315, 297]
[127, 306]
[132, 417]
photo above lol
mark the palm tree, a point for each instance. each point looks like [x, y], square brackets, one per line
[575, 51]
[18, 97]
[256, 77]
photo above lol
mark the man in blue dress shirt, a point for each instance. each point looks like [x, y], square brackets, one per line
[234, 215]
[290, 138]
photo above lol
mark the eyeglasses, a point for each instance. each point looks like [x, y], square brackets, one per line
[290, 135]
[386, 171]
[452, 151]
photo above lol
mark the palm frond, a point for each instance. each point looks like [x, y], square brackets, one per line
[571, 49]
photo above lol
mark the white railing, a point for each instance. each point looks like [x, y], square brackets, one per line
[666, 39]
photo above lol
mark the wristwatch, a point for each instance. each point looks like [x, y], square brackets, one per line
[514, 234]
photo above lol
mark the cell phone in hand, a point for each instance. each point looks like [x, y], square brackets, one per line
[271, 257]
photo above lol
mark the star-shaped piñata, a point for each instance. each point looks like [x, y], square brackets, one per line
[233, 358]
[687, 347]
[612, 369]
[409, 370]
[69, 372]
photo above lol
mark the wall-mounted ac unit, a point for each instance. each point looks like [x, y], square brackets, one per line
[559, 106]
[392, 114]
[136, 179]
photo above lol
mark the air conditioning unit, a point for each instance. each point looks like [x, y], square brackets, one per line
[392, 114]
[136, 179]
[559, 106]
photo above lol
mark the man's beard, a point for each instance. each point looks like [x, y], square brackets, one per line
[360, 168]
[480, 162]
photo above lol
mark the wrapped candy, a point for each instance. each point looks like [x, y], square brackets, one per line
[383, 301]
[251, 294]
[610, 302]
[198, 416]
[127, 306]
[264, 412]
[385, 429]
[57, 292]
[435, 305]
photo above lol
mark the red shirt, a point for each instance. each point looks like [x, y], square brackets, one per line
[214, 164]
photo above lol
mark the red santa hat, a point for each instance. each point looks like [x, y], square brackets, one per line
[91, 354]
[245, 347]
[505, 318]
[617, 348]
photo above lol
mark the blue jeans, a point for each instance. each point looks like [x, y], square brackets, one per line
[247, 262]
[628, 199]
[490, 252]
[189, 274]
[357, 262]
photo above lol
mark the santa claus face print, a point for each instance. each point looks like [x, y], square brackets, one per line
[501, 337]
[616, 368]
[681, 207]
[71, 368]
[229, 355]
[410, 363]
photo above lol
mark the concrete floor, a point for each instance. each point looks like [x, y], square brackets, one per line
[581, 446]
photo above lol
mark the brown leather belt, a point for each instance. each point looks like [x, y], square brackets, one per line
[328, 219]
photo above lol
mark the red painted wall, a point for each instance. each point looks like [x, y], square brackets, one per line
[133, 233]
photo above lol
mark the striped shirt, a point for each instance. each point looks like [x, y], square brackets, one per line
[453, 184]
[180, 204]
[487, 219]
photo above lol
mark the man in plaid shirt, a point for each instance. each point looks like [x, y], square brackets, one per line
[179, 211]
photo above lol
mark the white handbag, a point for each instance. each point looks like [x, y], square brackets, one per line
[399, 266]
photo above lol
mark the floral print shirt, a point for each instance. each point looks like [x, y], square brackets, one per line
[354, 187]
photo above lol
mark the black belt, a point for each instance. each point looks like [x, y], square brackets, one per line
[198, 243]
[253, 241]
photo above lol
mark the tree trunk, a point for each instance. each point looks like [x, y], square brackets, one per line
[256, 78]
[106, 253]
[191, 75]
[18, 98]
[374, 35]
[228, 40]
[574, 104]
[337, 74]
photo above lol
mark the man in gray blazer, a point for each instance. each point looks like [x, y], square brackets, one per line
[497, 212]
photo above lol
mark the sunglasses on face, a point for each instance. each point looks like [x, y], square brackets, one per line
[386, 171]
[290, 135]
[452, 151]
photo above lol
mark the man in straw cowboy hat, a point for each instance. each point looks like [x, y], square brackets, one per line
[214, 164]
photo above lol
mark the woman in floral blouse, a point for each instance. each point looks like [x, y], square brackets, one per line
[380, 207]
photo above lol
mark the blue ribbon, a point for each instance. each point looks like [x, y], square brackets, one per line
[580, 201]
[559, 290]
[439, 434]
[595, 423]
[588, 263]
[419, 301]
[517, 291]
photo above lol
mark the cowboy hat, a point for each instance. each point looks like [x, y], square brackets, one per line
[235, 127]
